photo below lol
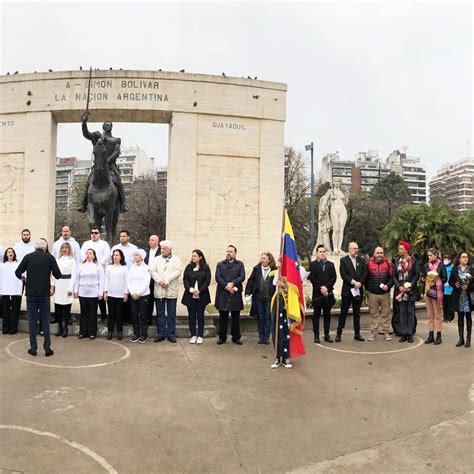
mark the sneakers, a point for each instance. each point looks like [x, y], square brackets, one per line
[193, 340]
[199, 340]
[387, 337]
[134, 338]
[372, 337]
[276, 364]
[286, 363]
[143, 339]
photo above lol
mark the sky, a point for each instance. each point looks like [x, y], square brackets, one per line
[360, 76]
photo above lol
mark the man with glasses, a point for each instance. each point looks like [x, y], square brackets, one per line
[102, 251]
[353, 270]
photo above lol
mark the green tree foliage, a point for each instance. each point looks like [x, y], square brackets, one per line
[393, 192]
[426, 226]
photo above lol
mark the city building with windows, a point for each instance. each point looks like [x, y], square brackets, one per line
[367, 168]
[455, 182]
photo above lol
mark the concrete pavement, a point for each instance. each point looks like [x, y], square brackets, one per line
[366, 407]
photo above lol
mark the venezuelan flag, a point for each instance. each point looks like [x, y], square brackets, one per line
[290, 274]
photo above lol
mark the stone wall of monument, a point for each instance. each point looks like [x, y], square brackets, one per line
[225, 167]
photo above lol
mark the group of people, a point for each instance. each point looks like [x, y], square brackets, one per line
[445, 287]
[127, 283]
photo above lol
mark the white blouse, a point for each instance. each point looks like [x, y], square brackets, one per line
[116, 281]
[90, 280]
[138, 280]
[67, 265]
[9, 284]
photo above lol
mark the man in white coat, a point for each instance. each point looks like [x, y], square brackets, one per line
[165, 271]
[67, 237]
[102, 252]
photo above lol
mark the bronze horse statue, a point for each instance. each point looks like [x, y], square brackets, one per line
[102, 194]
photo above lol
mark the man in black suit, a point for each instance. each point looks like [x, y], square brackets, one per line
[322, 275]
[353, 270]
[152, 252]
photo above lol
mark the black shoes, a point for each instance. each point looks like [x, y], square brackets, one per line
[220, 341]
[460, 342]
[410, 339]
[159, 339]
[48, 352]
[80, 336]
[338, 338]
[64, 333]
[134, 338]
[358, 337]
[328, 338]
[266, 341]
[404, 338]
[317, 340]
[237, 341]
[120, 337]
[430, 339]
[172, 339]
[468, 341]
[91, 338]
[32, 352]
[59, 332]
[109, 336]
[260, 341]
[143, 339]
[438, 339]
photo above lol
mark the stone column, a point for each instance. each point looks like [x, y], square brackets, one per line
[271, 178]
[40, 175]
[181, 189]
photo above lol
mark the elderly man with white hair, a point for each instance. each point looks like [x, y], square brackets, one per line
[138, 283]
[165, 271]
[39, 266]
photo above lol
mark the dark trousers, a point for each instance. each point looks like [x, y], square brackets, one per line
[38, 307]
[103, 308]
[88, 324]
[461, 317]
[407, 317]
[127, 311]
[166, 323]
[263, 317]
[196, 313]
[448, 310]
[10, 311]
[115, 307]
[326, 310]
[235, 328]
[151, 302]
[63, 313]
[140, 316]
[347, 301]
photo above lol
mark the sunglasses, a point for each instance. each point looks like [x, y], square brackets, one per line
[95, 232]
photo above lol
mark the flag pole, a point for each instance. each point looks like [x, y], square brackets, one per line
[280, 260]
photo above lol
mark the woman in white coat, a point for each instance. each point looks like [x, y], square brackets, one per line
[64, 291]
[11, 290]
[138, 283]
[89, 288]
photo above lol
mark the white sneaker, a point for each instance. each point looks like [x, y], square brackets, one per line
[193, 340]
[372, 337]
[199, 340]
[286, 363]
[276, 364]
[387, 337]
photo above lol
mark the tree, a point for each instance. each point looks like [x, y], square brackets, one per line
[426, 226]
[297, 200]
[147, 211]
[366, 218]
[392, 191]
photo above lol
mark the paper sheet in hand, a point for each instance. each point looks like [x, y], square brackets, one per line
[355, 292]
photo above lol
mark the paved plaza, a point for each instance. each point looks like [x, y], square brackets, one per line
[100, 406]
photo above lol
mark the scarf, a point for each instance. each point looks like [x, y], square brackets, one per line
[433, 267]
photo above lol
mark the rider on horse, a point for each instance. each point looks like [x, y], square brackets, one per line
[112, 150]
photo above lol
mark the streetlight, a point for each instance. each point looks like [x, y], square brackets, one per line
[311, 228]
